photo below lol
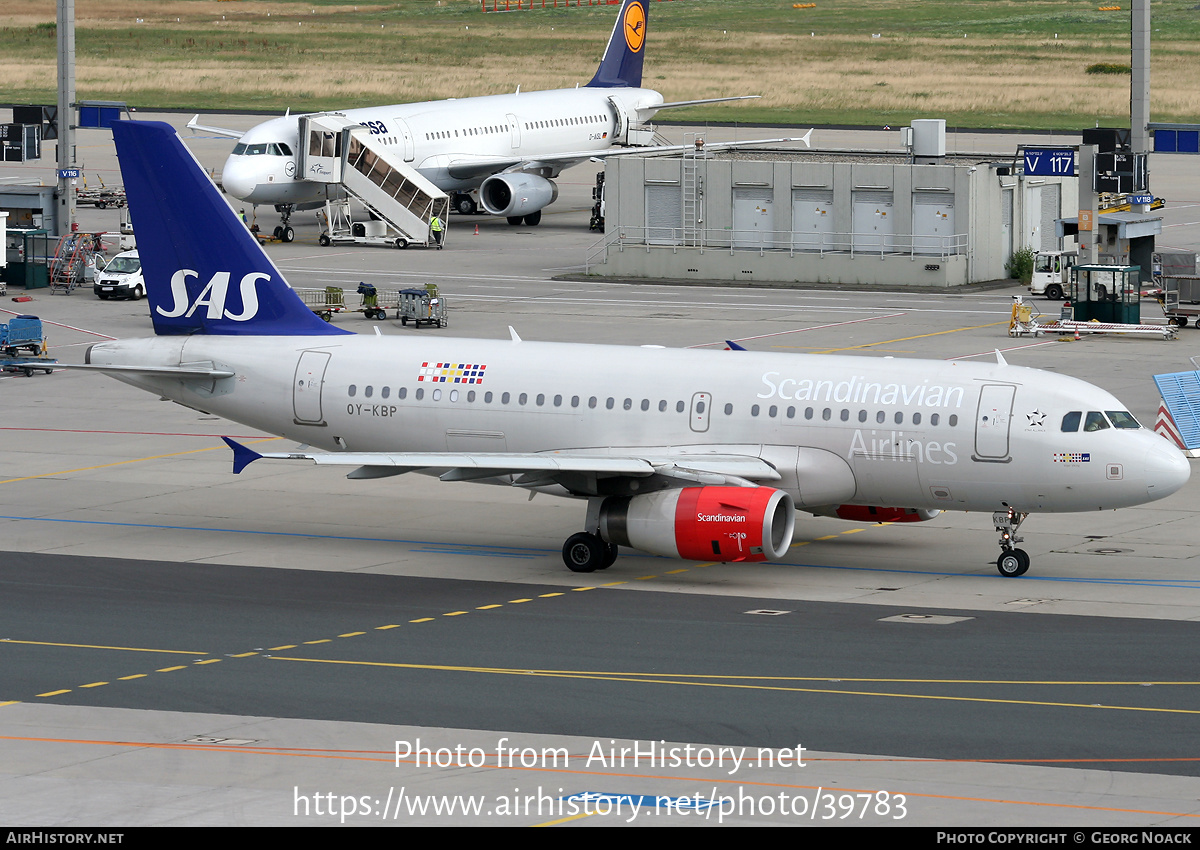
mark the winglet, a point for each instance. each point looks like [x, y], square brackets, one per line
[805, 138]
[733, 346]
[513, 332]
[242, 456]
[1000, 361]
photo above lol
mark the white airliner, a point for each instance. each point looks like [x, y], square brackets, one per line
[704, 455]
[509, 147]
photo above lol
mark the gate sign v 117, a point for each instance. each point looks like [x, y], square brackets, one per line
[1049, 162]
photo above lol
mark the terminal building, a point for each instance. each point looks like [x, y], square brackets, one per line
[915, 217]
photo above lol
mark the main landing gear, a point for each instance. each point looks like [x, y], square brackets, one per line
[586, 552]
[1012, 562]
[531, 220]
[284, 232]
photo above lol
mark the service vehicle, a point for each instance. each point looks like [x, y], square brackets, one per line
[121, 278]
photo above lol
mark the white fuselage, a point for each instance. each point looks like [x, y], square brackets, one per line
[442, 137]
[839, 429]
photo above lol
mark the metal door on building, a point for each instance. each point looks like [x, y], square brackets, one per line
[664, 215]
[873, 222]
[1050, 211]
[812, 219]
[933, 223]
[753, 217]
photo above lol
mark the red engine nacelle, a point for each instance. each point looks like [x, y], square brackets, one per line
[703, 523]
[862, 513]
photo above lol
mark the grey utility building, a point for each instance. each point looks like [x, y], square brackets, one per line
[797, 217]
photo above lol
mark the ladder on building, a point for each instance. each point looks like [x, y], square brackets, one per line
[693, 191]
[373, 168]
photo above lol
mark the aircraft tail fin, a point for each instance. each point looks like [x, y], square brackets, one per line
[204, 271]
[622, 63]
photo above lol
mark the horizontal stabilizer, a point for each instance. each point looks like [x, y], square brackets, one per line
[679, 104]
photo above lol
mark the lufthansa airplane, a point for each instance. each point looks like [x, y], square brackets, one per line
[703, 455]
[509, 147]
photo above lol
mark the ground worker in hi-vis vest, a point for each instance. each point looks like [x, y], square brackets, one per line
[435, 225]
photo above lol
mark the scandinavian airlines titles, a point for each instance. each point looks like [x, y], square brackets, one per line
[860, 390]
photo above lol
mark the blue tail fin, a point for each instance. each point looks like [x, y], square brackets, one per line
[204, 271]
[622, 62]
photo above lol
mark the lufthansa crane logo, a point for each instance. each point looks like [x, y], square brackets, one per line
[635, 26]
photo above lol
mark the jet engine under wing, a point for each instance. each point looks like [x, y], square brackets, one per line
[534, 469]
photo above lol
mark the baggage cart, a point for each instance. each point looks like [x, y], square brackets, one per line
[324, 302]
[23, 347]
[1180, 299]
[376, 302]
[22, 333]
[422, 307]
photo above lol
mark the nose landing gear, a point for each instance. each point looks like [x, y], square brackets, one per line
[284, 232]
[1012, 562]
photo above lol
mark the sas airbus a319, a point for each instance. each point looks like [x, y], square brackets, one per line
[703, 455]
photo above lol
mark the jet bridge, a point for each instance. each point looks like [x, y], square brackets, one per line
[335, 150]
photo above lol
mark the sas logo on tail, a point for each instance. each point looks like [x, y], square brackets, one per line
[635, 26]
[213, 296]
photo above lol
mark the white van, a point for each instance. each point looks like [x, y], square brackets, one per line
[121, 278]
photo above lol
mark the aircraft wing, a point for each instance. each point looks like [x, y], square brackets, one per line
[217, 131]
[564, 160]
[193, 371]
[469, 169]
[466, 169]
[578, 471]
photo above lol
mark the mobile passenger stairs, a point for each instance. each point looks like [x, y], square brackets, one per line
[1179, 410]
[373, 166]
[74, 262]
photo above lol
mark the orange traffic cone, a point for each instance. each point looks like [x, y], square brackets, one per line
[1077, 334]
[477, 230]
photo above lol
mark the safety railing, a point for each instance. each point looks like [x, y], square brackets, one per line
[766, 242]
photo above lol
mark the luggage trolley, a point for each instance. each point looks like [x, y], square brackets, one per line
[422, 306]
[376, 302]
[324, 302]
[23, 347]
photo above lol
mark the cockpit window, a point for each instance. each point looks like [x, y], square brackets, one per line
[1070, 422]
[1095, 421]
[261, 149]
[1122, 419]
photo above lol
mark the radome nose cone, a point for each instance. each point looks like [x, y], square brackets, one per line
[236, 178]
[1167, 470]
